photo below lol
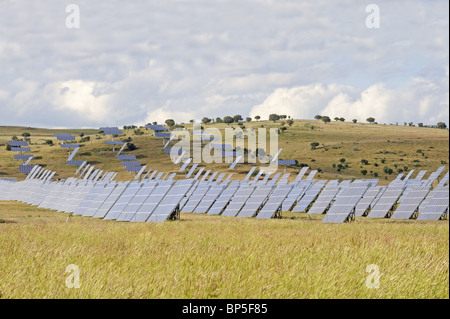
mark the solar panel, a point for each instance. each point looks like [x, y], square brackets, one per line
[311, 175]
[238, 200]
[111, 199]
[343, 209]
[168, 209]
[274, 179]
[436, 205]
[111, 130]
[185, 165]
[233, 165]
[23, 157]
[163, 135]
[195, 198]
[72, 155]
[209, 198]
[75, 163]
[323, 202]
[25, 168]
[123, 200]
[247, 178]
[113, 142]
[310, 195]
[20, 149]
[64, 137]
[272, 208]
[255, 201]
[368, 200]
[144, 191]
[157, 127]
[69, 145]
[443, 181]
[98, 201]
[420, 175]
[298, 190]
[134, 163]
[18, 143]
[200, 171]
[410, 203]
[386, 202]
[302, 173]
[223, 200]
[287, 162]
[126, 157]
[191, 171]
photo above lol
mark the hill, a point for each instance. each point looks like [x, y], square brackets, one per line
[341, 148]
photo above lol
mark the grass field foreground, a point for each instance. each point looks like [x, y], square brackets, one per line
[218, 257]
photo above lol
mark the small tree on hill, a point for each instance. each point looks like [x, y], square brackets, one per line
[170, 122]
[441, 125]
[325, 119]
[257, 117]
[274, 117]
[318, 117]
[370, 120]
[314, 145]
[228, 120]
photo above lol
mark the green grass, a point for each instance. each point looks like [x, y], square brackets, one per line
[204, 256]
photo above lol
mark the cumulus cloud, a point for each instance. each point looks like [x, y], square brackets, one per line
[420, 101]
[143, 61]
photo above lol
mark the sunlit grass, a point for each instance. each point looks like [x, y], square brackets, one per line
[204, 256]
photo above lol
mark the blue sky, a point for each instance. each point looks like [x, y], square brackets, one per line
[145, 61]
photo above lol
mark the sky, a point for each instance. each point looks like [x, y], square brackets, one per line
[147, 61]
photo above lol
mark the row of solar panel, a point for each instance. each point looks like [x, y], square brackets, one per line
[17, 143]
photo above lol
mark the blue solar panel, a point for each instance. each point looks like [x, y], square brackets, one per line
[222, 146]
[22, 157]
[18, 143]
[157, 127]
[133, 168]
[169, 151]
[25, 168]
[126, 157]
[110, 130]
[75, 163]
[114, 142]
[287, 162]
[64, 137]
[20, 149]
[131, 163]
[168, 135]
[70, 145]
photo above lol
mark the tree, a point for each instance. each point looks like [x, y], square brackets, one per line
[420, 124]
[370, 120]
[314, 145]
[26, 134]
[274, 117]
[342, 119]
[49, 142]
[257, 117]
[191, 121]
[318, 117]
[364, 171]
[248, 119]
[342, 160]
[237, 118]
[170, 122]
[131, 147]
[155, 123]
[228, 120]
[336, 118]
[283, 128]
[283, 117]
[354, 120]
[219, 120]
[290, 122]
[441, 125]
[325, 119]
[364, 162]
[206, 120]
[81, 134]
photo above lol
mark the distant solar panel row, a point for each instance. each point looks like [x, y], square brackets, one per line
[113, 142]
[69, 145]
[157, 127]
[110, 130]
[164, 135]
[20, 149]
[18, 143]
[64, 137]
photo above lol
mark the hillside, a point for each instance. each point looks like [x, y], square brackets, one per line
[396, 147]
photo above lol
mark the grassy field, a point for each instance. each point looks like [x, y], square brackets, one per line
[397, 147]
[218, 257]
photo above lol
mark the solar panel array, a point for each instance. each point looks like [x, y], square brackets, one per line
[64, 137]
[157, 197]
[156, 127]
[435, 206]
[111, 130]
